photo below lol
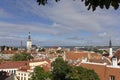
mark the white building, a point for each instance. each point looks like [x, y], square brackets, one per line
[22, 69]
[24, 72]
[23, 75]
[11, 66]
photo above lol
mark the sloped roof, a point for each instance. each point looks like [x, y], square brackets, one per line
[80, 55]
[103, 70]
[117, 54]
[12, 64]
[76, 55]
[101, 60]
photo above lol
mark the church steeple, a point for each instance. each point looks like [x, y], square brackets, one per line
[110, 44]
[110, 48]
[29, 37]
[29, 42]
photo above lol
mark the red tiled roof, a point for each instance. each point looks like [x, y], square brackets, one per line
[103, 71]
[75, 56]
[22, 65]
[80, 55]
[99, 69]
[9, 52]
[117, 54]
[12, 64]
[54, 47]
[105, 60]
[46, 67]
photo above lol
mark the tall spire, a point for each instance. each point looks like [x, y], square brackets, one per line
[110, 44]
[29, 43]
[29, 37]
[110, 49]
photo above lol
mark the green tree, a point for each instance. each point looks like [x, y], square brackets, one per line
[98, 51]
[22, 57]
[2, 48]
[15, 49]
[59, 51]
[93, 4]
[16, 57]
[60, 69]
[85, 74]
[39, 74]
[41, 50]
[63, 71]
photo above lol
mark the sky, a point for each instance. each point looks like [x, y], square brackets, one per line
[65, 23]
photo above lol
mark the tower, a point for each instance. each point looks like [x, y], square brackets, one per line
[110, 49]
[21, 45]
[29, 43]
[114, 61]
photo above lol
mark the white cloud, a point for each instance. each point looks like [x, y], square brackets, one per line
[68, 18]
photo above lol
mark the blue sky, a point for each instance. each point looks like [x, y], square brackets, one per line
[66, 23]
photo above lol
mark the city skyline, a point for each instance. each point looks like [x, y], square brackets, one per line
[65, 23]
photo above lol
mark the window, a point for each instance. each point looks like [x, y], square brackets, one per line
[14, 71]
[24, 78]
[112, 77]
[21, 78]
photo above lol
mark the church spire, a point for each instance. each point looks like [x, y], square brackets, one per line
[29, 43]
[110, 44]
[110, 49]
[29, 37]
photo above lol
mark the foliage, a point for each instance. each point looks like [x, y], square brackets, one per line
[101, 3]
[43, 2]
[60, 69]
[93, 4]
[41, 50]
[85, 74]
[97, 50]
[59, 51]
[15, 49]
[1, 60]
[63, 71]
[22, 57]
[3, 75]
[39, 74]
[2, 48]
